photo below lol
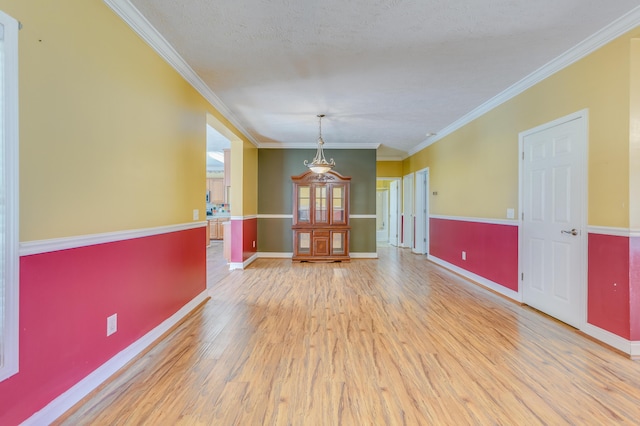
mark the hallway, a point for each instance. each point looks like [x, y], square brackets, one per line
[396, 340]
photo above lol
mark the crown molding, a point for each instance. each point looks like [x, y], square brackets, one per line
[589, 45]
[141, 26]
[153, 38]
[308, 145]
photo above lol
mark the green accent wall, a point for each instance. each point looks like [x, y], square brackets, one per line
[363, 236]
[275, 194]
[275, 236]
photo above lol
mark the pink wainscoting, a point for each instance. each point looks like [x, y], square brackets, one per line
[491, 249]
[608, 283]
[67, 295]
[634, 288]
[244, 233]
[250, 236]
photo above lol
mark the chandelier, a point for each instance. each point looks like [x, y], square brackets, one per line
[320, 164]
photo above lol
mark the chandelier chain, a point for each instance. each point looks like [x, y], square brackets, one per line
[320, 164]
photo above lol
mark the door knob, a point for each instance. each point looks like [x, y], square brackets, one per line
[574, 231]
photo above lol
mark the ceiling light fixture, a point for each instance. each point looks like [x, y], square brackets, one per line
[320, 164]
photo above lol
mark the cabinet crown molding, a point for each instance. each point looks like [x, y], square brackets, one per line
[310, 177]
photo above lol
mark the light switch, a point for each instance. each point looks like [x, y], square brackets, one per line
[112, 324]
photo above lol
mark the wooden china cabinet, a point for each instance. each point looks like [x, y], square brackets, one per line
[321, 217]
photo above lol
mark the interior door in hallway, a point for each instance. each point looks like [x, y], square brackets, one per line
[382, 215]
[421, 243]
[553, 238]
[407, 211]
[393, 213]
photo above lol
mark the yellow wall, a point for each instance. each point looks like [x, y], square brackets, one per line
[383, 183]
[389, 168]
[634, 137]
[237, 182]
[244, 175]
[475, 169]
[111, 137]
[250, 176]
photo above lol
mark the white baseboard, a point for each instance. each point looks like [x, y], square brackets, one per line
[363, 255]
[75, 394]
[478, 279]
[629, 347]
[274, 255]
[278, 255]
[242, 265]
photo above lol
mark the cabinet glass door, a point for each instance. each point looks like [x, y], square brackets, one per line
[321, 204]
[337, 203]
[303, 242]
[337, 243]
[304, 204]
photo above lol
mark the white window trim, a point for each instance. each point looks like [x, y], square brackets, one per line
[9, 143]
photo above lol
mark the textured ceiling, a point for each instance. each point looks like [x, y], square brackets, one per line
[383, 71]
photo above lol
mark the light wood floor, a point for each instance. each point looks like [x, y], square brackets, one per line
[391, 341]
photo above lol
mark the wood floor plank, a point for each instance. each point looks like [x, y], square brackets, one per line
[394, 341]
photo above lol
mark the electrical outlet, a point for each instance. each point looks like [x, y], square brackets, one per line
[112, 324]
[464, 255]
[254, 244]
[511, 213]
[196, 214]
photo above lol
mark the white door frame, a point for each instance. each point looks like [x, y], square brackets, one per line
[10, 252]
[407, 210]
[584, 116]
[394, 225]
[382, 211]
[421, 245]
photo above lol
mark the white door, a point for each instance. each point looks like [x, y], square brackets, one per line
[382, 215]
[421, 243]
[407, 211]
[393, 213]
[553, 223]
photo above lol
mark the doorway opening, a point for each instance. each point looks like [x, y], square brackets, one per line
[382, 215]
[218, 196]
[387, 211]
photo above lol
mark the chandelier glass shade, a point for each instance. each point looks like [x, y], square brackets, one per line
[319, 164]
